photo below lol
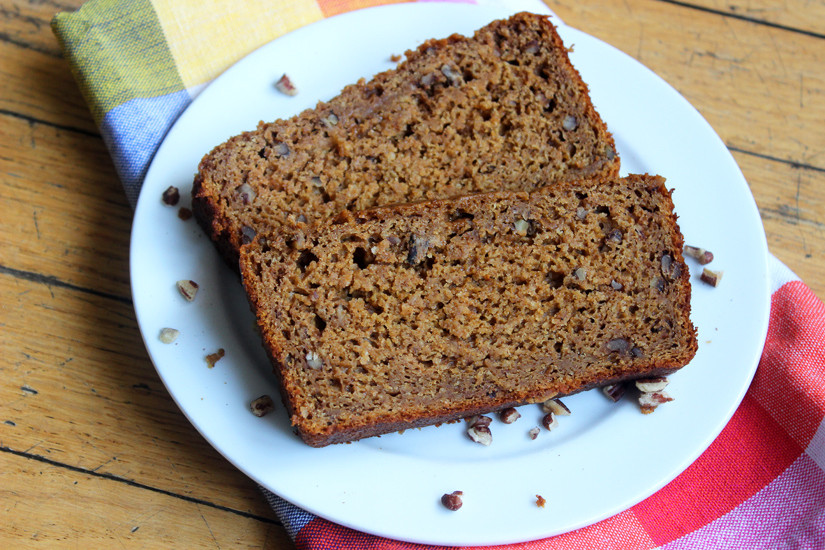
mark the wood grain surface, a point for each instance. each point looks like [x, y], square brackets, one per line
[94, 452]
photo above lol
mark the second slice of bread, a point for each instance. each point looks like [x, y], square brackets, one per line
[503, 109]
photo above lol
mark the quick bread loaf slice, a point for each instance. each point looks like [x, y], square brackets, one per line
[504, 109]
[423, 313]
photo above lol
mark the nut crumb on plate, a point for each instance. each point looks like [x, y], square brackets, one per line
[711, 277]
[700, 254]
[509, 415]
[188, 289]
[168, 335]
[648, 401]
[452, 501]
[540, 501]
[213, 358]
[262, 406]
[550, 422]
[171, 196]
[480, 434]
[479, 420]
[285, 86]
[650, 385]
[614, 391]
[555, 406]
[534, 432]
[184, 213]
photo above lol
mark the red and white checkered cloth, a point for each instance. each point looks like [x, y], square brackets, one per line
[760, 484]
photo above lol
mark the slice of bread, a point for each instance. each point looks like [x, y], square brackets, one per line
[423, 313]
[504, 109]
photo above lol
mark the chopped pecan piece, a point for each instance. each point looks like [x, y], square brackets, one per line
[262, 406]
[648, 401]
[452, 501]
[614, 391]
[650, 385]
[188, 289]
[171, 196]
[711, 277]
[703, 256]
[285, 85]
[480, 434]
[555, 406]
[213, 358]
[479, 420]
[509, 415]
[550, 422]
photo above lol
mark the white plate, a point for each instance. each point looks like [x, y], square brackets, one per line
[603, 459]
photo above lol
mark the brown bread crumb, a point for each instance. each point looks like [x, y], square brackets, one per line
[213, 358]
[171, 196]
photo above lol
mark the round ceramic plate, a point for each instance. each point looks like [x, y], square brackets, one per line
[603, 458]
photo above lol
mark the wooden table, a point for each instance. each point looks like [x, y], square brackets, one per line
[94, 452]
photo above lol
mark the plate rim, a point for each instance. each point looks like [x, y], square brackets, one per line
[427, 540]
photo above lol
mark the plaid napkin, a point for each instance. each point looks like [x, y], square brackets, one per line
[140, 63]
[761, 484]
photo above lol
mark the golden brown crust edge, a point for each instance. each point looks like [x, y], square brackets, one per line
[436, 417]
